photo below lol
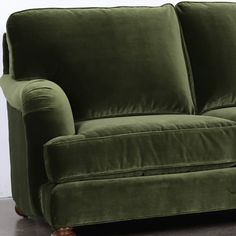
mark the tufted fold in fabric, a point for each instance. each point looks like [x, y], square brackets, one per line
[210, 36]
[108, 61]
[141, 145]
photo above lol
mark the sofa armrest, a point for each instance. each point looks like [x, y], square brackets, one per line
[34, 95]
[40, 96]
[43, 111]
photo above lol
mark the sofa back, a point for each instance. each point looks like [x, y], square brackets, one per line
[109, 61]
[210, 35]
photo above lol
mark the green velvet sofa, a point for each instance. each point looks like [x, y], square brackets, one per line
[121, 113]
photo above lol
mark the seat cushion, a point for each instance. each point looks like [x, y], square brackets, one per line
[228, 113]
[141, 145]
[109, 61]
[210, 34]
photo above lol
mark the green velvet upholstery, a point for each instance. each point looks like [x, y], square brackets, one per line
[210, 36]
[144, 145]
[109, 62]
[101, 201]
[24, 198]
[228, 113]
[101, 109]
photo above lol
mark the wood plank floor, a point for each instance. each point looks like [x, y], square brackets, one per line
[211, 224]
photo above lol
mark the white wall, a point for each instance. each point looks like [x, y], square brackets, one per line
[6, 8]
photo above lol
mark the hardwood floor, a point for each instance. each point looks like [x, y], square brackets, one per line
[13, 225]
[211, 224]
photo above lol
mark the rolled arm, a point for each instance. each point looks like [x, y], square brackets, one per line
[46, 114]
[39, 96]
[35, 95]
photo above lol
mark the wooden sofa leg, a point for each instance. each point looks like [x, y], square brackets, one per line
[19, 212]
[64, 232]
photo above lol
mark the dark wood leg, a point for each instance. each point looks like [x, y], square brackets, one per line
[19, 212]
[64, 232]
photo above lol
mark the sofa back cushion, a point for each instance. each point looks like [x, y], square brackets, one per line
[210, 35]
[109, 61]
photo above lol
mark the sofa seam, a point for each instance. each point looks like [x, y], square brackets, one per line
[91, 139]
[74, 178]
[129, 114]
[89, 8]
